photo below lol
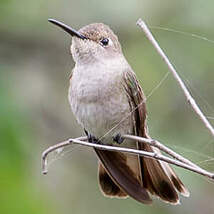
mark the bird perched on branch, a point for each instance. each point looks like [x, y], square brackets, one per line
[108, 102]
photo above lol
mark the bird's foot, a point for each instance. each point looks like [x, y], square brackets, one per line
[118, 138]
[91, 138]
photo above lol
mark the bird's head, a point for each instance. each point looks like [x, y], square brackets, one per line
[92, 42]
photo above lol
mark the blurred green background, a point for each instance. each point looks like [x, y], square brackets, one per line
[34, 112]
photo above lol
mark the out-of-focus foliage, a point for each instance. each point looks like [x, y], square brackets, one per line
[34, 112]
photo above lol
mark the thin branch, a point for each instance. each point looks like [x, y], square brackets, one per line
[153, 155]
[163, 148]
[53, 148]
[187, 94]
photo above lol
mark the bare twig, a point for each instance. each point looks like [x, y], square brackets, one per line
[189, 98]
[153, 155]
[163, 148]
[53, 148]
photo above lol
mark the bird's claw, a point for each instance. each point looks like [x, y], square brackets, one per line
[91, 138]
[118, 138]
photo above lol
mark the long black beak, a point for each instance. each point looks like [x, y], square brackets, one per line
[68, 29]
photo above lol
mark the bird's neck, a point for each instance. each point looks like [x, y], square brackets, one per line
[102, 65]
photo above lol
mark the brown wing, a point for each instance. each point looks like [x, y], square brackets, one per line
[158, 177]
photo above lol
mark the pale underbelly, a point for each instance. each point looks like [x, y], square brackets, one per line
[104, 119]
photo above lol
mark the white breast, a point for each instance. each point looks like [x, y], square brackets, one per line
[98, 100]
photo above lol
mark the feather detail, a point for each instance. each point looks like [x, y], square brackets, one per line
[107, 185]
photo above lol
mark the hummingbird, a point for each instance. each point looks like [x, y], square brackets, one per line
[108, 102]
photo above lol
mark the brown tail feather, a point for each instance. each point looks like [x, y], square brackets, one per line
[176, 180]
[107, 185]
[122, 175]
[160, 179]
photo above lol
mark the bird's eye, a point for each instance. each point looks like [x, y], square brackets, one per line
[104, 41]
